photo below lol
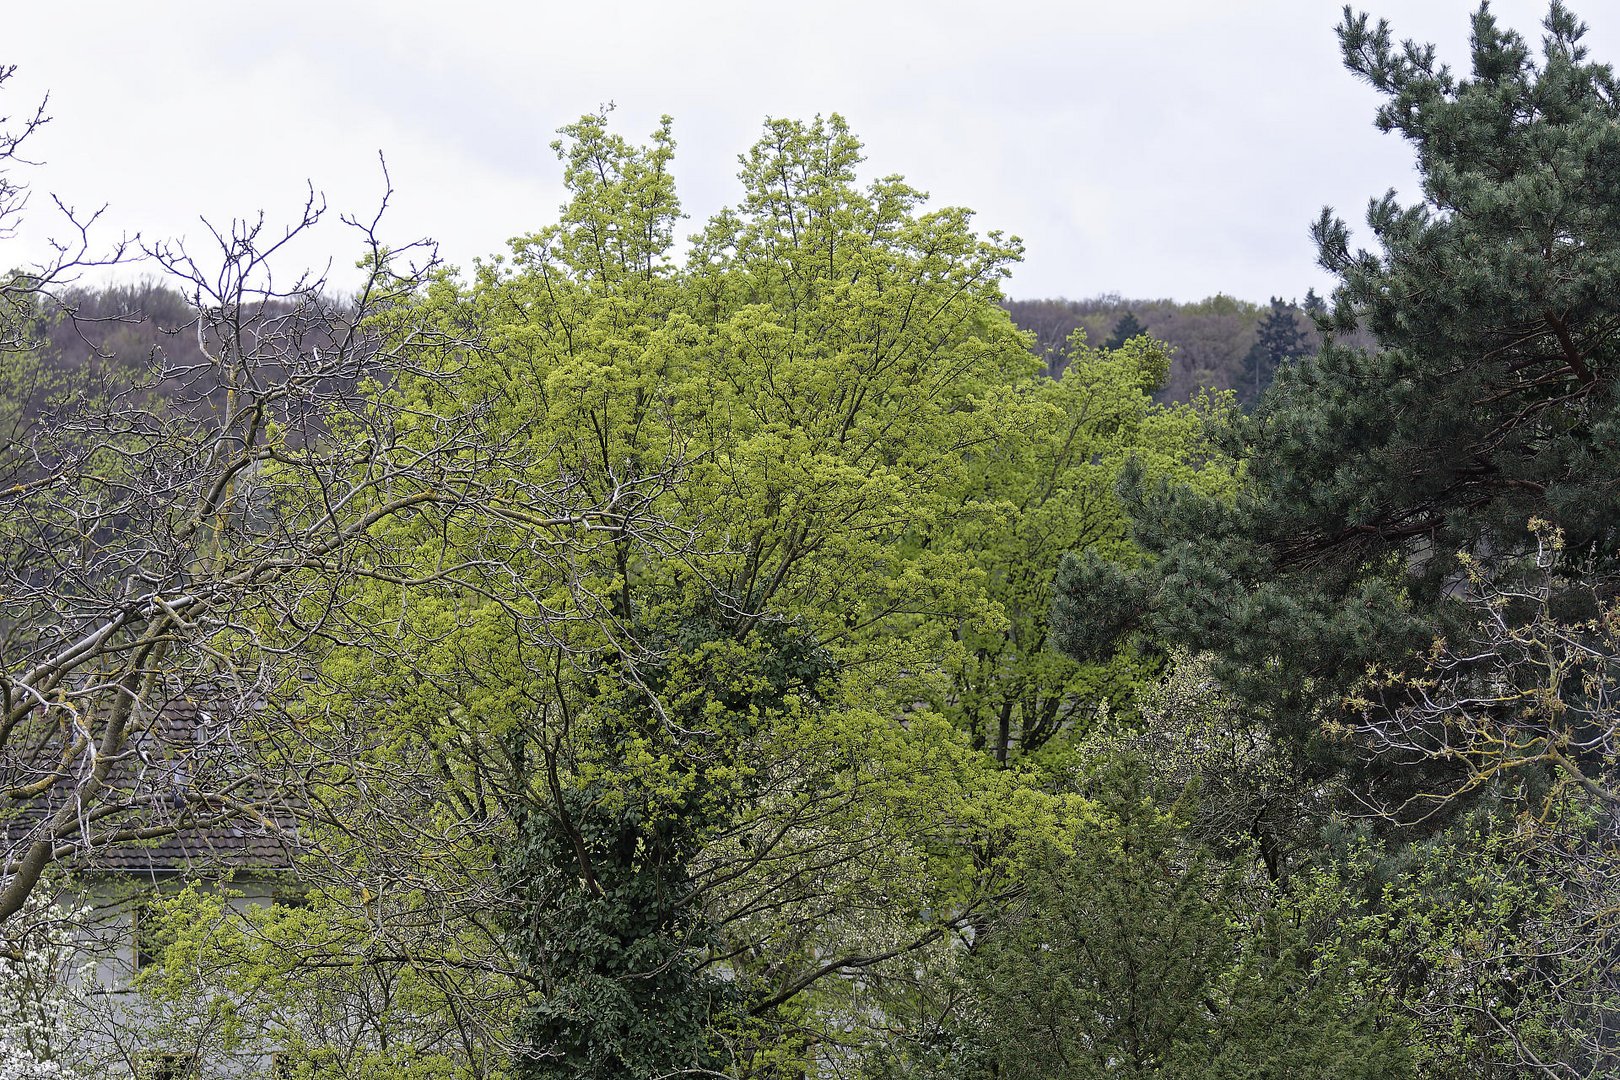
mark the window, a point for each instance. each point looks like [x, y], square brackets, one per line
[291, 898]
[159, 1066]
[149, 931]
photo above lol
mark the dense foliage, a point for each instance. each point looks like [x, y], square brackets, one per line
[1213, 341]
[759, 657]
[1436, 512]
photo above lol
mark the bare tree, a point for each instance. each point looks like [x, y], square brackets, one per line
[153, 526]
[1524, 712]
[1532, 696]
[148, 536]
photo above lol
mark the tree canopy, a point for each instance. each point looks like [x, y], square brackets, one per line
[1379, 597]
[1488, 401]
[754, 655]
[711, 702]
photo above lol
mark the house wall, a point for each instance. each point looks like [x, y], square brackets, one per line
[123, 1031]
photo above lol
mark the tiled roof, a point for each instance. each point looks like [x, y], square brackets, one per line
[219, 847]
[185, 748]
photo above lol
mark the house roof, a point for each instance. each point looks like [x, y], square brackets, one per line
[182, 751]
[213, 848]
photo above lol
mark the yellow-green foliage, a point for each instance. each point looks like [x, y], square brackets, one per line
[1044, 488]
[306, 981]
[822, 419]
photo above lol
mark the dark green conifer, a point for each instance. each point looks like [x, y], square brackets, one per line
[599, 919]
[1314, 305]
[1278, 340]
[1126, 328]
[1491, 398]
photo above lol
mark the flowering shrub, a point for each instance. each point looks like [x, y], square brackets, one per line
[38, 981]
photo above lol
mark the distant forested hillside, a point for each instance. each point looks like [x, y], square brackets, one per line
[86, 331]
[115, 338]
[1220, 342]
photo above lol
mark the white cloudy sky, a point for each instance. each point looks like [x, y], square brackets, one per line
[1157, 148]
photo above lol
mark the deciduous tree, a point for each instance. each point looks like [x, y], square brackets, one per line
[673, 742]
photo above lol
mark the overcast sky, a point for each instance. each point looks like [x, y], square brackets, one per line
[1158, 148]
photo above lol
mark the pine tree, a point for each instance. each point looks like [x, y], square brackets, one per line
[1278, 340]
[1490, 400]
[1384, 486]
[1126, 328]
[1314, 305]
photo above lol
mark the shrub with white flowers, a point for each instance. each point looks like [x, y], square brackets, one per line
[37, 988]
